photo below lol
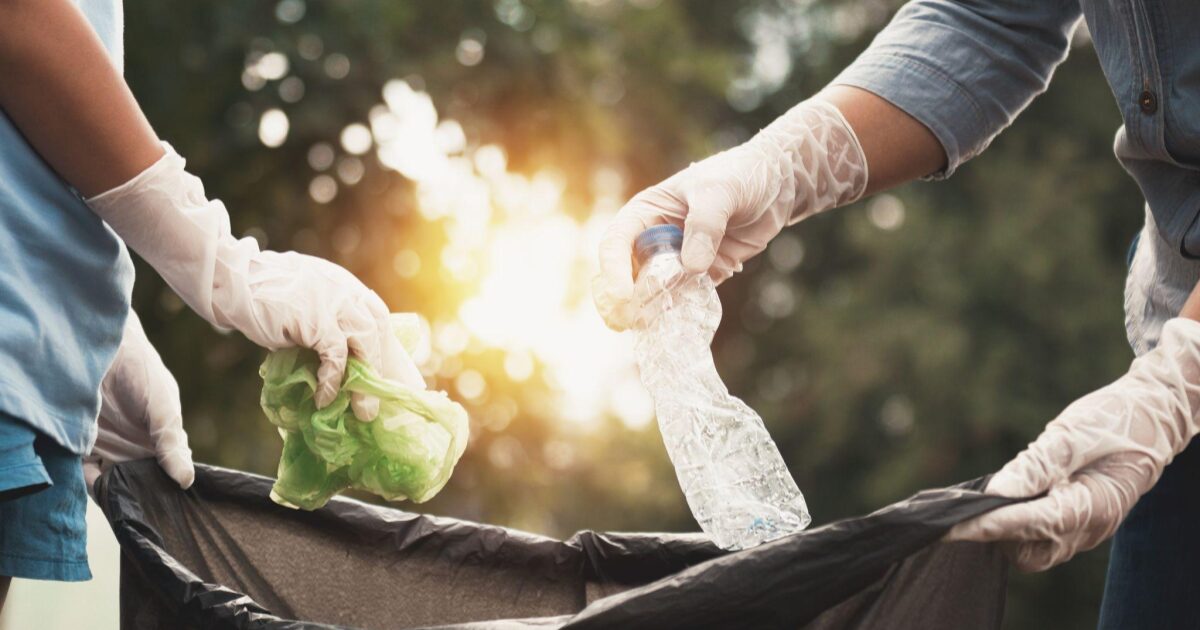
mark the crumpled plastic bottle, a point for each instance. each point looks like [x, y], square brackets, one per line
[407, 452]
[733, 476]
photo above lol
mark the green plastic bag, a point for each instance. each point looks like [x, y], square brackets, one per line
[407, 452]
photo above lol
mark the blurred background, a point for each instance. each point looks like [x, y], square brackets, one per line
[462, 158]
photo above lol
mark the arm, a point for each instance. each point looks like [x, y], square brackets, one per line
[77, 112]
[1191, 308]
[140, 414]
[67, 99]
[1100, 455]
[932, 91]
[732, 204]
[965, 68]
[898, 148]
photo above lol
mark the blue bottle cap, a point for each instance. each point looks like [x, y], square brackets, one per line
[658, 239]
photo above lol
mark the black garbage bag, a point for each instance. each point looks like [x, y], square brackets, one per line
[223, 555]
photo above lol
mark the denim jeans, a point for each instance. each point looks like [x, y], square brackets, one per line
[1154, 569]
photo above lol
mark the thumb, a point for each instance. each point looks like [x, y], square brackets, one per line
[173, 454]
[91, 472]
[709, 209]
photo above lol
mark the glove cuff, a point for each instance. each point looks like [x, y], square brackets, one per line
[819, 154]
[164, 215]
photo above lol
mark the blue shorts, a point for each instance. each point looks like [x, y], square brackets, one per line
[43, 502]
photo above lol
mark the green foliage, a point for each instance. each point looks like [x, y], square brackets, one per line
[891, 359]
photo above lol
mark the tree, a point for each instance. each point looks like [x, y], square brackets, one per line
[913, 340]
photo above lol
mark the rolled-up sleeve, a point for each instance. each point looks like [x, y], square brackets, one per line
[965, 69]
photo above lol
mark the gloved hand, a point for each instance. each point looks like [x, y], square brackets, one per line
[733, 203]
[140, 415]
[1098, 457]
[276, 299]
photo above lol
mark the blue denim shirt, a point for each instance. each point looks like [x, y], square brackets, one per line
[967, 68]
[65, 280]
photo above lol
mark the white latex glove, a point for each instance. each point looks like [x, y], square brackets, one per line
[276, 299]
[1098, 457]
[732, 204]
[140, 415]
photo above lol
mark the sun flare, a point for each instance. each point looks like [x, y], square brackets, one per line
[528, 264]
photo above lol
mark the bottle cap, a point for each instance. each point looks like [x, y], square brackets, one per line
[656, 240]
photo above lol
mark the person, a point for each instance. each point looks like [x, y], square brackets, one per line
[930, 92]
[83, 176]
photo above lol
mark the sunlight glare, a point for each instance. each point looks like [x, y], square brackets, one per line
[526, 262]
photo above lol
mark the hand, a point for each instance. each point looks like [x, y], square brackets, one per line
[140, 415]
[299, 300]
[276, 299]
[732, 204]
[1097, 458]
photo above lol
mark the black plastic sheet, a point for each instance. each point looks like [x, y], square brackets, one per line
[222, 555]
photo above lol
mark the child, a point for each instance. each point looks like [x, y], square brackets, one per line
[71, 131]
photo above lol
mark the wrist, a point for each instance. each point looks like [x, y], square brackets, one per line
[164, 215]
[819, 156]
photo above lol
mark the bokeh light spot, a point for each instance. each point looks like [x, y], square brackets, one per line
[322, 189]
[350, 170]
[518, 364]
[356, 138]
[273, 127]
[290, 11]
[310, 47]
[786, 253]
[886, 212]
[469, 51]
[320, 156]
[406, 263]
[470, 384]
[337, 66]
[291, 90]
[271, 66]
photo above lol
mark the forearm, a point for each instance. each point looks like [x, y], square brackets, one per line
[897, 147]
[963, 68]
[65, 96]
[1191, 308]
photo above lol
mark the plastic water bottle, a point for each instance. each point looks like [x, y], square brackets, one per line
[735, 481]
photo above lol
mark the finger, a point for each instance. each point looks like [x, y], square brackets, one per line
[398, 365]
[612, 290]
[172, 452]
[1031, 557]
[163, 418]
[709, 209]
[724, 267]
[616, 308]
[1046, 462]
[366, 328]
[1023, 521]
[332, 350]
[1069, 509]
[393, 361]
[91, 472]
[1087, 513]
[177, 463]
[365, 406]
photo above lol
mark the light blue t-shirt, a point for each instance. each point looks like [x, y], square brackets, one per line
[65, 282]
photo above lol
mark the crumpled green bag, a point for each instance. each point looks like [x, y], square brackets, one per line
[407, 452]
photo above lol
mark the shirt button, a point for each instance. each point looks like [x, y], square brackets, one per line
[1148, 102]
